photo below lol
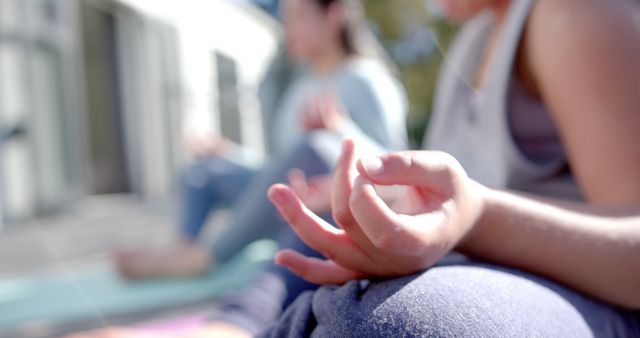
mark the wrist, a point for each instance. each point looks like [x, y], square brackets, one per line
[482, 207]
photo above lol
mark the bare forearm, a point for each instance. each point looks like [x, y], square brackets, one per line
[593, 251]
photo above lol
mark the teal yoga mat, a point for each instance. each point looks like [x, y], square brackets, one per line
[81, 295]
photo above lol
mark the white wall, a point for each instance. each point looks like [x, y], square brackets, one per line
[201, 28]
[167, 72]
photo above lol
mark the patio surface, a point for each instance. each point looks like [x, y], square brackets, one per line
[81, 238]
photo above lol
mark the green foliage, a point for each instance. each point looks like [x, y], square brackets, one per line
[393, 20]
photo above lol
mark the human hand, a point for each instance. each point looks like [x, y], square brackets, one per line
[206, 145]
[439, 208]
[323, 112]
[315, 192]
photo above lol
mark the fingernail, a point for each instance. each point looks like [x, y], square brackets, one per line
[278, 258]
[277, 197]
[373, 166]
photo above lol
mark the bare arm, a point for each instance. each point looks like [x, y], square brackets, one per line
[594, 251]
[584, 58]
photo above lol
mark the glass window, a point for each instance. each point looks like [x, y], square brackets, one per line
[35, 167]
[10, 14]
[15, 158]
[228, 98]
[46, 10]
[48, 126]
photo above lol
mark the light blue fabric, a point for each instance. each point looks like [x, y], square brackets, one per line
[374, 100]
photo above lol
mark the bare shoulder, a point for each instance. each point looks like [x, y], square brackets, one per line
[567, 13]
[582, 40]
[566, 27]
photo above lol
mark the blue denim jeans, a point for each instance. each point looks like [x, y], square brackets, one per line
[211, 183]
[217, 182]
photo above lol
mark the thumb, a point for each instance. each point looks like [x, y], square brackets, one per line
[438, 171]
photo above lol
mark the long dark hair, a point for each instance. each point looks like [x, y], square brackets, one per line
[353, 24]
[356, 36]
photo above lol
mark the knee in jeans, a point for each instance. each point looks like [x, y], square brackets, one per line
[194, 176]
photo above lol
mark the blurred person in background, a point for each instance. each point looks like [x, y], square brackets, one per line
[538, 97]
[534, 170]
[347, 89]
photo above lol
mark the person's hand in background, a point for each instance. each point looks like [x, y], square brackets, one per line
[315, 192]
[438, 209]
[202, 145]
[324, 112]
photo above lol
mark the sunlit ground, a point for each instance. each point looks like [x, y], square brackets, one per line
[81, 236]
[74, 241]
[56, 276]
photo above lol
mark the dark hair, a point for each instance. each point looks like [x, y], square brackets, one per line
[356, 36]
[353, 23]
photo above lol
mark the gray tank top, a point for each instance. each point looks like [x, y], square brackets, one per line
[503, 137]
